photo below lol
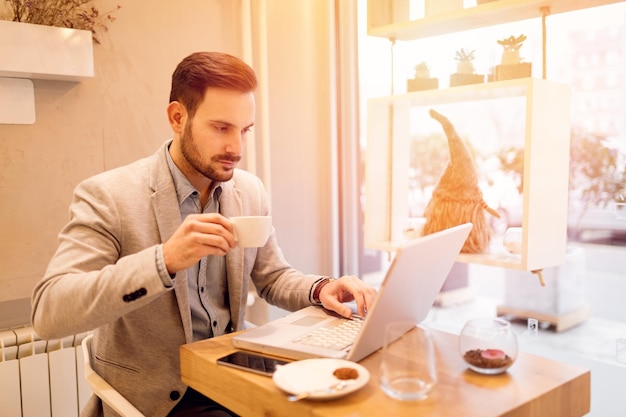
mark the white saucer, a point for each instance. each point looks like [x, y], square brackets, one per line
[317, 374]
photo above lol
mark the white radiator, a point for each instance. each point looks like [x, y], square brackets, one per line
[40, 378]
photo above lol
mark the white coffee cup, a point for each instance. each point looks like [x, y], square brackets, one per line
[251, 231]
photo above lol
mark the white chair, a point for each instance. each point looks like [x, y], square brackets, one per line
[102, 389]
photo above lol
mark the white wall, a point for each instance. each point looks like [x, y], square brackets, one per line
[119, 115]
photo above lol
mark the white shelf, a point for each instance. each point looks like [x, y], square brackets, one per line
[501, 259]
[545, 115]
[390, 18]
[45, 52]
[492, 90]
[29, 52]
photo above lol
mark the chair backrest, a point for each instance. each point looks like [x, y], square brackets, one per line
[102, 389]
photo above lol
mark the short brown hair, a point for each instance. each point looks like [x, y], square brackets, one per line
[202, 70]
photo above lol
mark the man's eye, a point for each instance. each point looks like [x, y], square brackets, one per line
[222, 128]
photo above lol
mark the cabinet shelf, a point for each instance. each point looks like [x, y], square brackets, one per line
[503, 260]
[484, 91]
[543, 113]
[387, 21]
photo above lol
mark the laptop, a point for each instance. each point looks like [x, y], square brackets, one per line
[408, 292]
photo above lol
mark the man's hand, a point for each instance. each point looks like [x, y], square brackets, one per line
[345, 289]
[198, 236]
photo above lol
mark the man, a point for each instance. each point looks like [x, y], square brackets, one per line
[149, 260]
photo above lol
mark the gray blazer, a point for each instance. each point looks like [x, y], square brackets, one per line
[104, 276]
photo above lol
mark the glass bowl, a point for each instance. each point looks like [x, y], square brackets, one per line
[488, 345]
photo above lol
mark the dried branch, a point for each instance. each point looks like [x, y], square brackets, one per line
[75, 14]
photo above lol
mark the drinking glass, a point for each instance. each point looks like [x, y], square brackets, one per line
[408, 370]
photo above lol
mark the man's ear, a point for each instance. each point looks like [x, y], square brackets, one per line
[176, 114]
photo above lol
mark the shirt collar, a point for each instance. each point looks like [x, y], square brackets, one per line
[183, 187]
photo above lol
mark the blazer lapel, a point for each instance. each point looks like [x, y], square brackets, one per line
[167, 214]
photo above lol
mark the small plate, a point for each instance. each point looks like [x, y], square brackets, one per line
[317, 374]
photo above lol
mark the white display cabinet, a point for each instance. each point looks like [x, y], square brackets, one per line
[539, 115]
[562, 302]
[541, 106]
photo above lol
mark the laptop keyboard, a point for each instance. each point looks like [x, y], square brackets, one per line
[337, 334]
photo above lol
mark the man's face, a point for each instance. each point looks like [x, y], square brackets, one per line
[212, 142]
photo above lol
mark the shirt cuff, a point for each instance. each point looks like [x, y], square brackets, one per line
[167, 279]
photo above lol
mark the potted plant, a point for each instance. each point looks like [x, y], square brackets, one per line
[465, 72]
[44, 39]
[421, 79]
[67, 28]
[73, 14]
[511, 65]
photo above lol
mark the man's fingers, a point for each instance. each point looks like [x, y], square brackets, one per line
[348, 288]
[213, 225]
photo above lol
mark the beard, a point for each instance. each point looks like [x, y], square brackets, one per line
[210, 169]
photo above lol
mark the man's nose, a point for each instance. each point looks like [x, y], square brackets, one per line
[235, 144]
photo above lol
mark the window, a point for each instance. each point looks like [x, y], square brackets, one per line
[574, 54]
[576, 42]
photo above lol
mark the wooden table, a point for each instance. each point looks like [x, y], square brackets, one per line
[532, 387]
